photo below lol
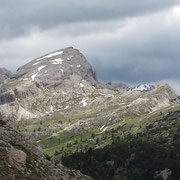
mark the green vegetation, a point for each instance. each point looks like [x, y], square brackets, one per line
[66, 143]
[134, 147]
[41, 124]
[135, 156]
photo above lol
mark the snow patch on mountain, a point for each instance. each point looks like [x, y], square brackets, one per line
[33, 76]
[81, 85]
[52, 108]
[36, 63]
[41, 67]
[142, 88]
[50, 55]
[84, 102]
[57, 61]
[62, 70]
[66, 107]
[64, 93]
[69, 58]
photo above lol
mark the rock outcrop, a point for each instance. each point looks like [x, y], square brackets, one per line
[21, 159]
[4, 74]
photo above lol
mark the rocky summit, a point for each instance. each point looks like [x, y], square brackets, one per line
[56, 68]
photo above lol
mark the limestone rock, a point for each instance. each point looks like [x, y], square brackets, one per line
[4, 74]
[21, 159]
[16, 158]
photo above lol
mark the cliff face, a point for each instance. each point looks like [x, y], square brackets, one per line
[55, 68]
[4, 74]
[47, 83]
[21, 159]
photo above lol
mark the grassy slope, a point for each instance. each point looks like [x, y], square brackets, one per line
[65, 143]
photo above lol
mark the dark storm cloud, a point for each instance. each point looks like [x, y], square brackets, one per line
[147, 53]
[21, 17]
[142, 65]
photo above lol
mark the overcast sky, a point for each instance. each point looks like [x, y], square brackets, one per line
[125, 41]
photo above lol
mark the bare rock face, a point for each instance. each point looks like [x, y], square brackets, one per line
[4, 74]
[118, 87]
[56, 68]
[2, 122]
[164, 174]
[21, 159]
[47, 83]
[17, 158]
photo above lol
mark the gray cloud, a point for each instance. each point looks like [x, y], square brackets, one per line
[147, 53]
[21, 17]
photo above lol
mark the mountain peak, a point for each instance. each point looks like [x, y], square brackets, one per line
[142, 88]
[57, 66]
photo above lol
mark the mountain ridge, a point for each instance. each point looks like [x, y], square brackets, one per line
[64, 82]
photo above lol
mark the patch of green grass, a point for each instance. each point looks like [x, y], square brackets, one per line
[66, 143]
[40, 124]
[66, 140]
